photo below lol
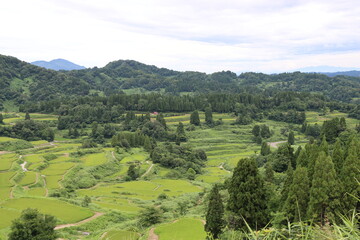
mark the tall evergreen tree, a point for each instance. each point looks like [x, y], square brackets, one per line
[291, 138]
[208, 116]
[297, 200]
[287, 183]
[215, 213]
[247, 196]
[302, 160]
[160, 118]
[350, 178]
[338, 156]
[194, 118]
[180, 133]
[27, 116]
[324, 191]
[1, 119]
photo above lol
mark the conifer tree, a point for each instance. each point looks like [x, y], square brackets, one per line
[291, 138]
[324, 191]
[302, 160]
[27, 116]
[180, 134]
[208, 116]
[215, 213]
[265, 149]
[160, 118]
[256, 131]
[147, 144]
[1, 119]
[350, 178]
[247, 196]
[194, 118]
[297, 200]
[324, 146]
[287, 184]
[338, 156]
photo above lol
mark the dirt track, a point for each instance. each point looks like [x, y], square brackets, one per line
[96, 215]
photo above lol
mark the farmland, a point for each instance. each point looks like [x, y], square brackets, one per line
[61, 174]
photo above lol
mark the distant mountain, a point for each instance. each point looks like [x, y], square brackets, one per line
[58, 64]
[325, 69]
[346, 73]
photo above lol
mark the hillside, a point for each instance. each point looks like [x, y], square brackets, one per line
[58, 64]
[21, 81]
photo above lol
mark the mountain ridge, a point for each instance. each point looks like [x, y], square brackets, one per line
[58, 64]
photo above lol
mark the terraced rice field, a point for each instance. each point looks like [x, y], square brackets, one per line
[120, 235]
[183, 229]
[6, 161]
[94, 159]
[29, 178]
[145, 190]
[65, 212]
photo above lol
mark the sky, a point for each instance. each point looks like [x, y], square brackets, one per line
[194, 35]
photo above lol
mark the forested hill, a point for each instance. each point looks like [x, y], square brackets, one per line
[21, 81]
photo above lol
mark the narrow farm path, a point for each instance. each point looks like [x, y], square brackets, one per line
[96, 215]
[221, 166]
[152, 235]
[23, 166]
[148, 170]
[275, 144]
[4, 152]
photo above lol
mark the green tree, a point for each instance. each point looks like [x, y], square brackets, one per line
[27, 116]
[180, 134]
[160, 118]
[1, 119]
[208, 116]
[291, 138]
[338, 156]
[324, 190]
[194, 118]
[147, 144]
[287, 184]
[215, 213]
[256, 131]
[133, 172]
[350, 178]
[265, 131]
[247, 196]
[297, 200]
[32, 225]
[86, 201]
[265, 149]
[150, 216]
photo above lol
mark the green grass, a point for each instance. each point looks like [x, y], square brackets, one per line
[57, 168]
[7, 216]
[123, 206]
[52, 182]
[120, 235]
[145, 190]
[63, 211]
[34, 158]
[5, 179]
[38, 192]
[29, 178]
[6, 161]
[4, 193]
[183, 229]
[7, 139]
[94, 159]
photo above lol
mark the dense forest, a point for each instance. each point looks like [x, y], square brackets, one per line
[138, 149]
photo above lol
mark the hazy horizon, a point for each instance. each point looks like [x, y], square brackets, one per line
[205, 36]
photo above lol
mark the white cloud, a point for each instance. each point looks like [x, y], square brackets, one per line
[203, 35]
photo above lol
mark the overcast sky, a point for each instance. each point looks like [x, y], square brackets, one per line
[202, 35]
